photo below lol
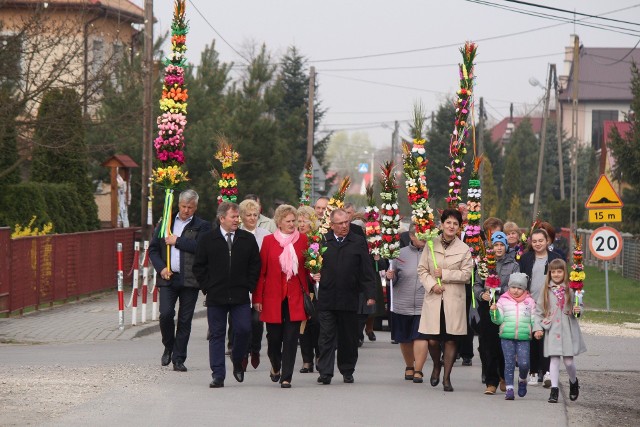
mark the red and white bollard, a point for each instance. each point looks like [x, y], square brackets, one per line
[154, 306]
[136, 277]
[145, 279]
[120, 289]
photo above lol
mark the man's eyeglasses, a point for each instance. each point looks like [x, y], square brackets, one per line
[343, 223]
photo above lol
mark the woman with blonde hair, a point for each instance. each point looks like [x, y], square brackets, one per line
[278, 296]
[308, 222]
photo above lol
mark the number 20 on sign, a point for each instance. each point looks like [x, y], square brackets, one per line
[605, 243]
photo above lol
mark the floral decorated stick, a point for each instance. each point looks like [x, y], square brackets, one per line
[463, 104]
[372, 224]
[227, 181]
[313, 255]
[390, 220]
[336, 202]
[305, 198]
[169, 144]
[577, 275]
[472, 231]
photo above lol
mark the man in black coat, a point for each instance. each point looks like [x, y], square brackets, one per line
[178, 282]
[346, 271]
[227, 266]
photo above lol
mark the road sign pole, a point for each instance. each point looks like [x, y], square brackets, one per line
[606, 282]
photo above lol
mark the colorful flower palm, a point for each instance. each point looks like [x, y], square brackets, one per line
[577, 275]
[463, 104]
[336, 202]
[389, 214]
[372, 223]
[169, 144]
[415, 167]
[474, 198]
[227, 181]
[305, 198]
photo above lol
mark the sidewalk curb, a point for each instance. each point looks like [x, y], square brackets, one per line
[152, 329]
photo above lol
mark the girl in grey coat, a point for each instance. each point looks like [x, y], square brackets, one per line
[556, 319]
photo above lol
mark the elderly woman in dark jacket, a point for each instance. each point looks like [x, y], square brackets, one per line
[491, 347]
[408, 296]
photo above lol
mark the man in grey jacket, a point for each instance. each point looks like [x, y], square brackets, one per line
[178, 282]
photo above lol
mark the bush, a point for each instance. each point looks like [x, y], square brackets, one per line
[55, 203]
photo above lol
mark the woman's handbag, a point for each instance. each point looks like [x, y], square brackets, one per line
[309, 307]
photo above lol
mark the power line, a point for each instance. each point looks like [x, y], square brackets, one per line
[571, 12]
[604, 27]
[216, 31]
[517, 33]
[411, 67]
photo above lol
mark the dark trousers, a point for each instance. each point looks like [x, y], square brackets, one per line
[282, 342]
[217, 318]
[338, 329]
[177, 339]
[309, 341]
[466, 341]
[492, 357]
[255, 338]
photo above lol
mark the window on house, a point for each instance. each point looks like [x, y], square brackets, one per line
[10, 56]
[597, 125]
[97, 56]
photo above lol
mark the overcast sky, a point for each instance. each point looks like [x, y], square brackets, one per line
[512, 48]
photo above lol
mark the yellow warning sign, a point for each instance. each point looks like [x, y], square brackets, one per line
[603, 195]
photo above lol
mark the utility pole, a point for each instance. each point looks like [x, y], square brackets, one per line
[575, 75]
[394, 142]
[543, 136]
[147, 123]
[310, 110]
[481, 126]
[556, 84]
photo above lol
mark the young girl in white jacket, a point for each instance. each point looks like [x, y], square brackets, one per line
[556, 319]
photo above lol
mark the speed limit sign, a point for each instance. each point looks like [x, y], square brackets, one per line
[605, 243]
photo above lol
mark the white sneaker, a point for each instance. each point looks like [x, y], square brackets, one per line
[546, 380]
[533, 379]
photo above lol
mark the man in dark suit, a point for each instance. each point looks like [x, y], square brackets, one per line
[177, 282]
[346, 271]
[227, 266]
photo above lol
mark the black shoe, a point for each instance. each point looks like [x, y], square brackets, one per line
[216, 383]
[553, 397]
[418, 380]
[324, 379]
[371, 336]
[238, 371]
[305, 370]
[435, 375]
[466, 361]
[166, 357]
[285, 384]
[574, 390]
[446, 385]
[179, 366]
[275, 376]
[348, 379]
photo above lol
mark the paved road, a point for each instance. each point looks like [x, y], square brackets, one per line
[101, 376]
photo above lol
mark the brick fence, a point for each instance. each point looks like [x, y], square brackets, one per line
[37, 271]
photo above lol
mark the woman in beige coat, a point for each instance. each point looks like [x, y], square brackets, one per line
[443, 312]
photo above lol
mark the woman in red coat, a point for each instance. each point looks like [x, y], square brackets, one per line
[278, 295]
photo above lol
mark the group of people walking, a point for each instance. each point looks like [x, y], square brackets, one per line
[529, 320]
[253, 274]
